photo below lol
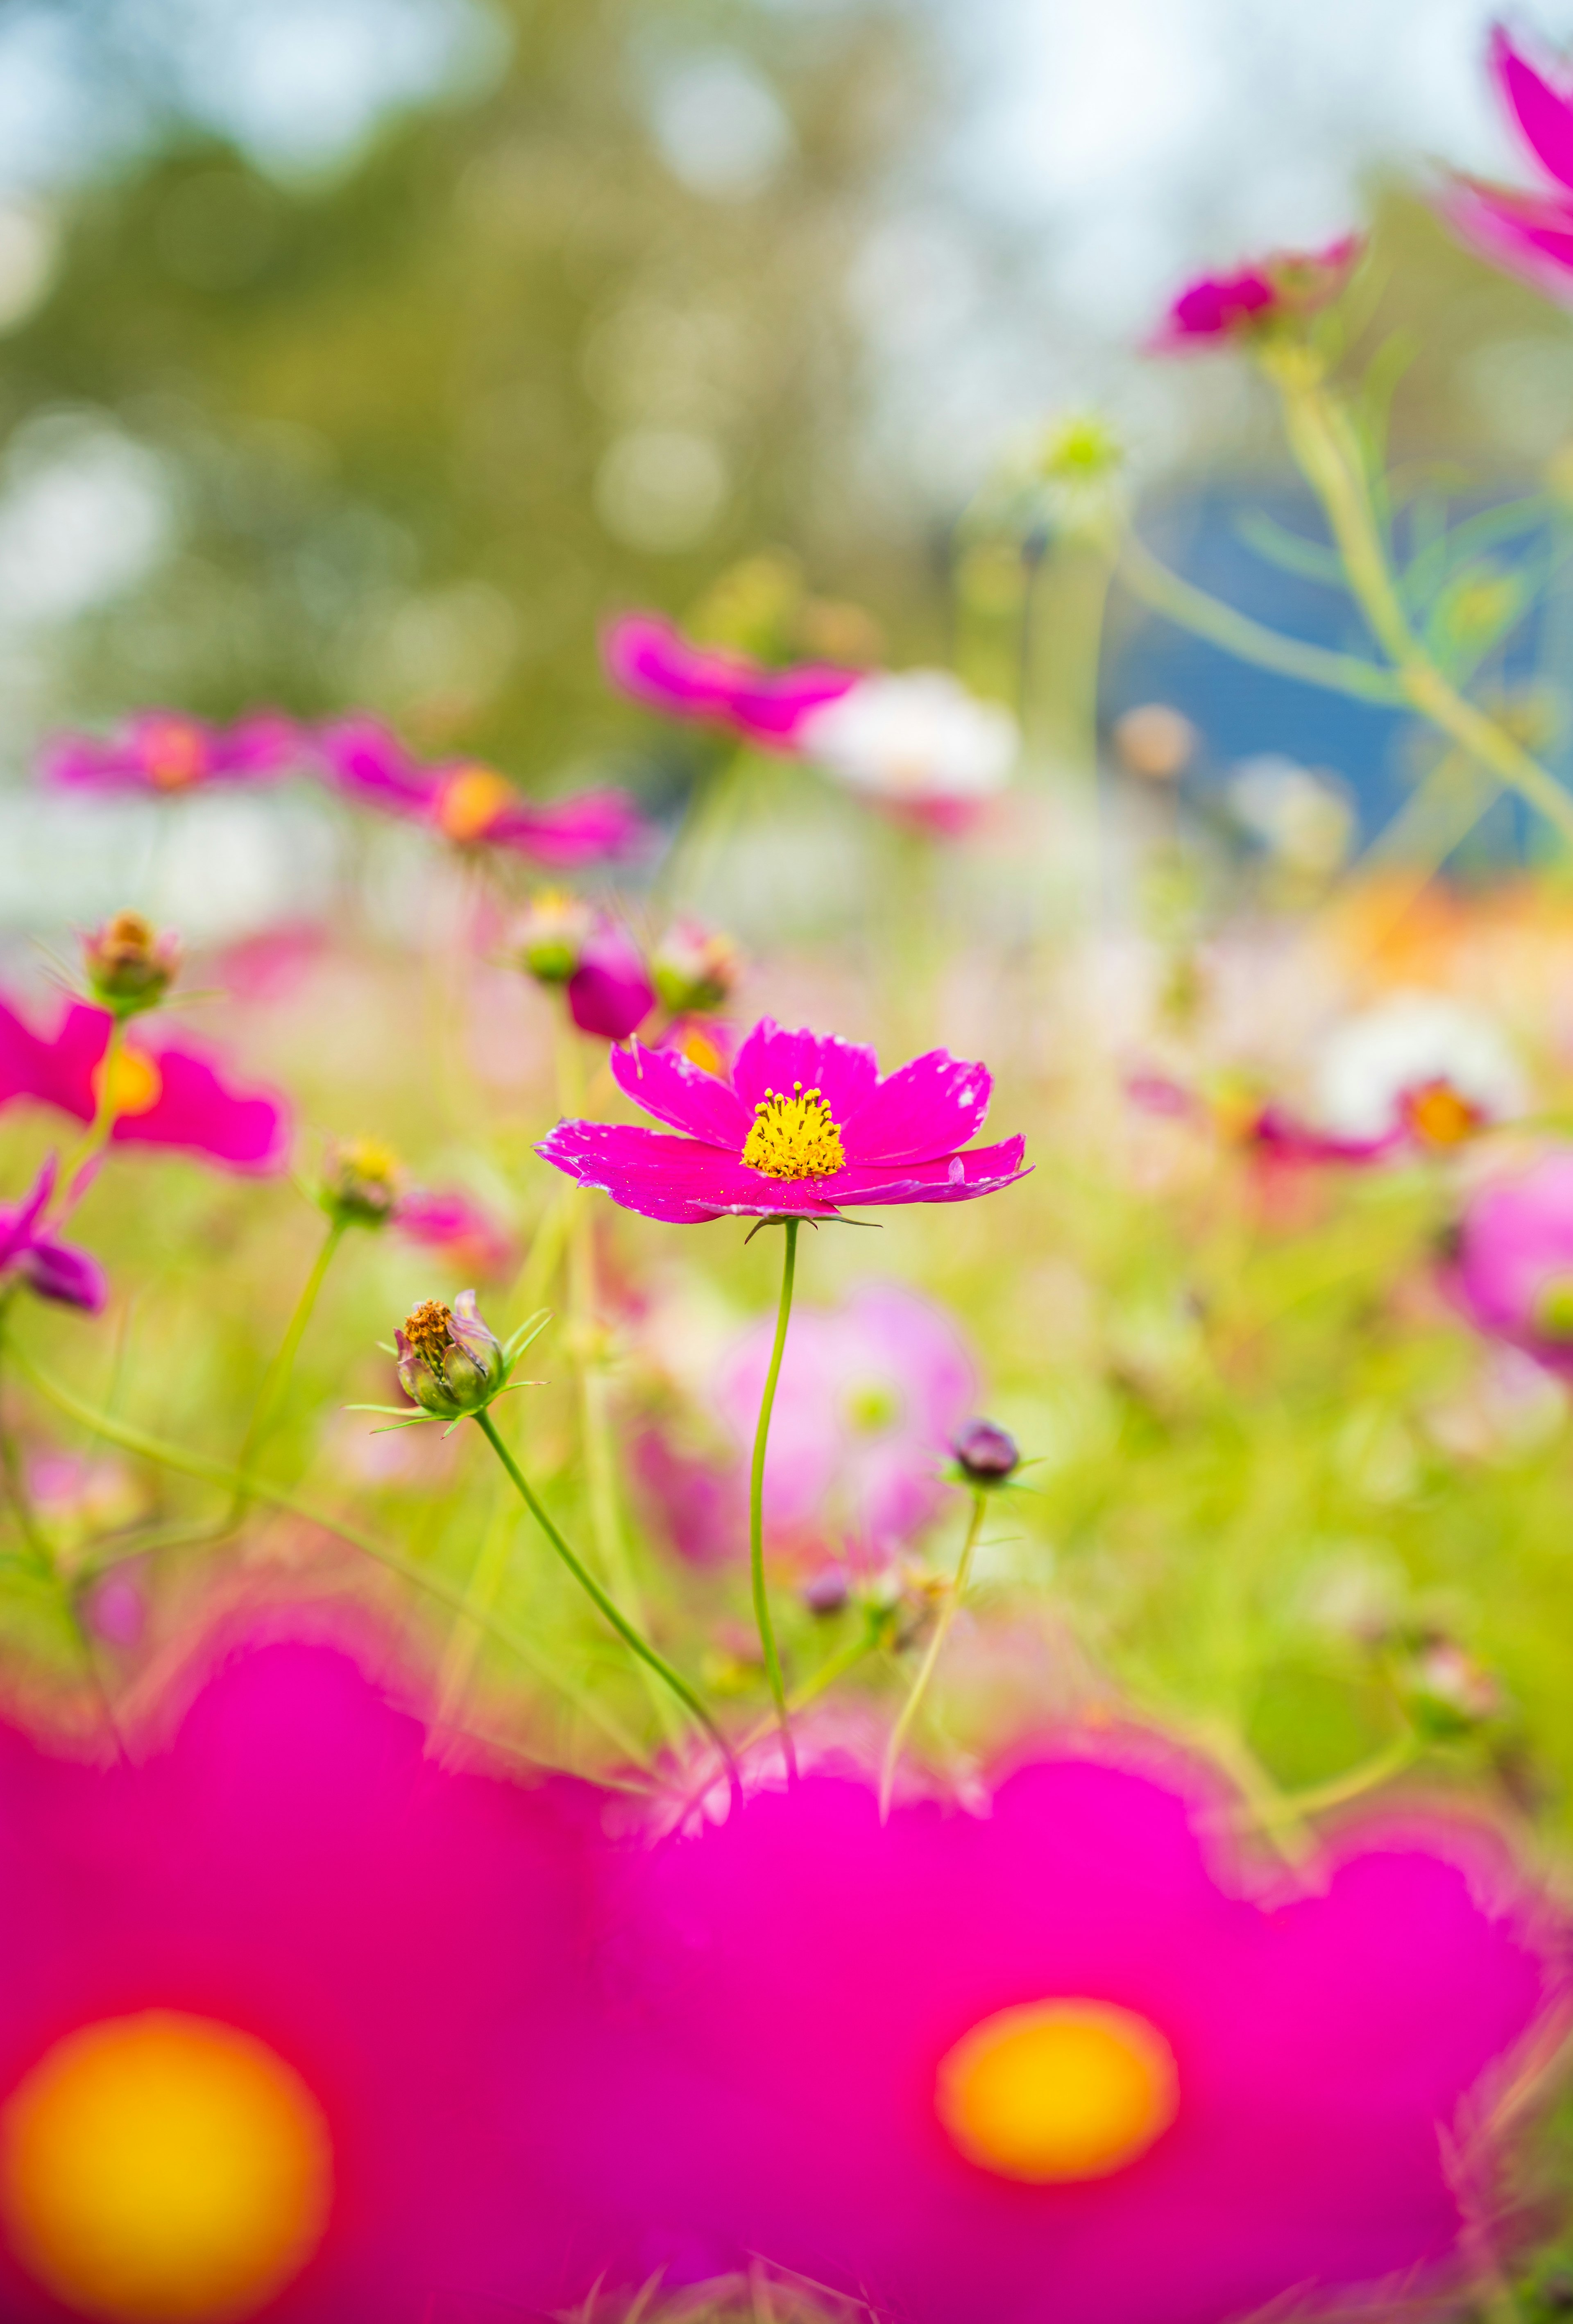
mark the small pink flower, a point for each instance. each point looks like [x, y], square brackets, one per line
[610, 992]
[1059, 2062]
[475, 805]
[169, 1091]
[1241, 306]
[1513, 1266]
[165, 751]
[803, 1127]
[30, 1253]
[449, 1222]
[1531, 234]
[916, 742]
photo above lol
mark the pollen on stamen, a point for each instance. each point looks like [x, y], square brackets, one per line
[795, 1137]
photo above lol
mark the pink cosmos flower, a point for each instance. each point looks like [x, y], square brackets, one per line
[165, 751]
[803, 1127]
[1052, 2063]
[30, 1253]
[170, 1090]
[914, 742]
[1289, 284]
[355, 1971]
[473, 804]
[1531, 233]
[870, 1397]
[1513, 1267]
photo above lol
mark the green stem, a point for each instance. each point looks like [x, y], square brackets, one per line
[757, 1504]
[604, 1604]
[216, 1472]
[276, 1380]
[936, 1647]
[1322, 439]
[1209, 617]
[106, 1112]
[1319, 1798]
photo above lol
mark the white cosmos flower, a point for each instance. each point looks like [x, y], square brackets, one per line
[911, 736]
[1415, 1042]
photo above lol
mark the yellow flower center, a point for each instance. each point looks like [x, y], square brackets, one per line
[471, 801]
[794, 1137]
[1439, 1115]
[174, 754]
[1057, 2090]
[163, 2170]
[135, 1083]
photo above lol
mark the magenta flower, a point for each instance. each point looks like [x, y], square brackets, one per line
[295, 1958]
[1531, 233]
[804, 1127]
[1052, 2063]
[476, 807]
[31, 1253]
[610, 992]
[1270, 291]
[915, 741]
[165, 751]
[471, 1238]
[174, 1092]
[1513, 1270]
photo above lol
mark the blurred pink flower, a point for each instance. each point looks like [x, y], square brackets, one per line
[468, 1235]
[473, 804]
[170, 1090]
[914, 742]
[1238, 306]
[403, 1942]
[1054, 2063]
[1531, 234]
[165, 751]
[1513, 1269]
[31, 1253]
[804, 1126]
[610, 992]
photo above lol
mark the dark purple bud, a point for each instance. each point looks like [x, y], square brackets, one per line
[827, 1591]
[985, 1453]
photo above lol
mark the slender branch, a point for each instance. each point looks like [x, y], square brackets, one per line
[276, 1379]
[105, 1113]
[936, 1647]
[757, 1504]
[216, 1472]
[606, 1605]
[1319, 1798]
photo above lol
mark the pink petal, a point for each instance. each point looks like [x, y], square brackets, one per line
[650, 659]
[844, 1073]
[927, 1108]
[1544, 116]
[675, 1179]
[682, 1095]
[60, 1271]
[570, 831]
[1531, 238]
[368, 760]
[953, 1178]
[199, 1109]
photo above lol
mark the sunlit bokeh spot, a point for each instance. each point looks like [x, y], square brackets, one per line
[1057, 2090]
[471, 802]
[163, 2169]
[135, 1083]
[175, 753]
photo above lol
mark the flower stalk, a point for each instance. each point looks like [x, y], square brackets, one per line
[757, 1503]
[936, 1647]
[276, 1380]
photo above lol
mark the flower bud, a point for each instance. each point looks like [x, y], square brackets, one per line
[549, 941]
[1446, 1691]
[609, 994]
[985, 1454]
[695, 968]
[449, 1362]
[360, 1180]
[129, 966]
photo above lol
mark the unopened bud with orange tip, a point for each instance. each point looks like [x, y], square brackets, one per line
[693, 968]
[548, 942]
[450, 1362]
[130, 965]
[361, 1179]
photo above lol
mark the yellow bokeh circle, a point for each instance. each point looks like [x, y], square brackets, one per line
[1057, 2090]
[135, 1083]
[470, 800]
[163, 2169]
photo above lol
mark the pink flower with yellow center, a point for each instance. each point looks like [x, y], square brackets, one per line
[1259, 297]
[804, 1126]
[475, 805]
[1057, 2062]
[168, 1090]
[914, 742]
[290, 2021]
[165, 751]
